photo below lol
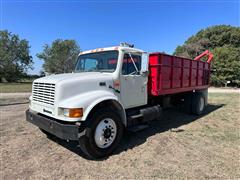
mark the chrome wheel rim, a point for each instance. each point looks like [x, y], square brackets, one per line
[105, 133]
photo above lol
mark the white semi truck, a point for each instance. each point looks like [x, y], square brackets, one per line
[110, 89]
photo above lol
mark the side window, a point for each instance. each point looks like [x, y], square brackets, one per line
[128, 66]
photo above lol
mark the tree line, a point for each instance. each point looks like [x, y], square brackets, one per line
[15, 58]
[224, 42]
[61, 55]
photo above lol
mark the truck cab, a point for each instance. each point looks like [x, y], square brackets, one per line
[90, 104]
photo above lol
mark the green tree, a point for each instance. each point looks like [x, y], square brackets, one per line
[60, 57]
[226, 65]
[15, 58]
[224, 42]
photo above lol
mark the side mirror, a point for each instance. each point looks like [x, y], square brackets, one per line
[144, 64]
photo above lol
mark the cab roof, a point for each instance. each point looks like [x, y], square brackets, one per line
[123, 48]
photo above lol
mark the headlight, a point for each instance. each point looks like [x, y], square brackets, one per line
[73, 112]
[66, 112]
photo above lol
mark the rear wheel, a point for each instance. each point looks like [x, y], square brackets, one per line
[103, 134]
[187, 104]
[198, 103]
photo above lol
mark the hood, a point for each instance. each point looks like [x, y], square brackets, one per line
[71, 76]
[72, 84]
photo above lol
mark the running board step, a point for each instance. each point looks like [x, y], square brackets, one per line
[136, 116]
[138, 128]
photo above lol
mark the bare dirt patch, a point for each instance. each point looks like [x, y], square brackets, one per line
[14, 98]
[224, 90]
[178, 146]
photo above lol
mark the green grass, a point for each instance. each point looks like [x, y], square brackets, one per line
[15, 87]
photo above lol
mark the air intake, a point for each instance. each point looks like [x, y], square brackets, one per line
[44, 93]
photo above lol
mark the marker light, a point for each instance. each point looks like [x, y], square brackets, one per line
[73, 113]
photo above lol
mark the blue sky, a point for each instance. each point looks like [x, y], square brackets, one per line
[151, 25]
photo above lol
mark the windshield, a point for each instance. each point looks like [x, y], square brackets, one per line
[97, 62]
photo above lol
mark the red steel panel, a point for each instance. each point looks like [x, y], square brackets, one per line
[171, 74]
[186, 77]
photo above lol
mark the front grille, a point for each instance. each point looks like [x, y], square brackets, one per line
[44, 92]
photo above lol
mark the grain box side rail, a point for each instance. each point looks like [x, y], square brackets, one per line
[172, 74]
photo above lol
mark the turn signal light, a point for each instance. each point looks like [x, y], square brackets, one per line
[76, 112]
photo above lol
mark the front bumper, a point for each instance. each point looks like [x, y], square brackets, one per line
[61, 130]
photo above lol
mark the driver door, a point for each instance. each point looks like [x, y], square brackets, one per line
[133, 82]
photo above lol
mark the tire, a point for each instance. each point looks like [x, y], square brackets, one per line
[187, 104]
[49, 135]
[103, 134]
[198, 103]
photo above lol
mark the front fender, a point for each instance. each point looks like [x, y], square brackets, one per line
[88, 101]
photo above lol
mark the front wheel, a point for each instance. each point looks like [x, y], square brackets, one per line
[103, 134]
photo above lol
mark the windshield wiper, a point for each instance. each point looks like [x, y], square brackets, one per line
[105, 70]
[95, 70]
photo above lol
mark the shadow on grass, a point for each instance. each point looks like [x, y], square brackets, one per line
[171, 119]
